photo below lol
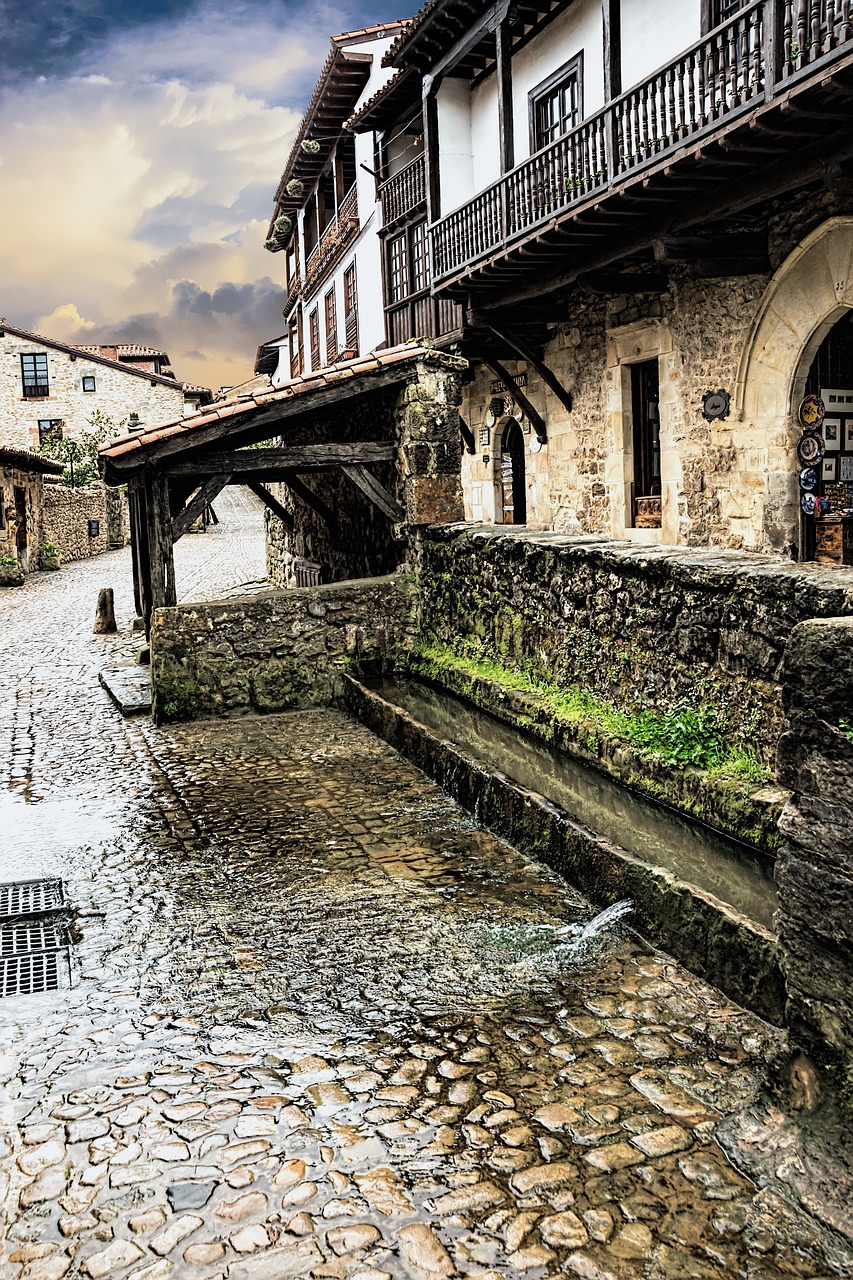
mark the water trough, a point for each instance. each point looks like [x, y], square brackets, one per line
[700, 895]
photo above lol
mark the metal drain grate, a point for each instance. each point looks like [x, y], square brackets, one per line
[31, 898]
[34, 972]
[19, 936]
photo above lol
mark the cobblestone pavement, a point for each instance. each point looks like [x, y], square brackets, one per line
[322, 1026]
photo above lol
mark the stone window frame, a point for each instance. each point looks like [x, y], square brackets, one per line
[88, 377]
[626, 346]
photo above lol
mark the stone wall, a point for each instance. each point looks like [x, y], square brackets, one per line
[642, 627]
[118, 393]
[729, 483]
[277, 649]
[11, 478]
[815, 868]
[66, 515]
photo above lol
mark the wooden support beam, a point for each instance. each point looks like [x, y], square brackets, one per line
[533, 414]
[527, 353]
[374, 491]
[614, 283]
[159, 536]
[306, 457]
[611, 15]
[738, 244]
[467, 436]
[197, 505]
[310, 498]
[506, 133]
[432, 176]
[280, 512]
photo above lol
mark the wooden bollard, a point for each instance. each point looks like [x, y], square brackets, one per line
[105, 614]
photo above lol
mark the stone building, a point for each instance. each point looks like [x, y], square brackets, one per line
[44, 383]
[22, 505]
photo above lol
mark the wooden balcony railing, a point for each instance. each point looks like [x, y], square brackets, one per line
[332, 242]
[730, 71]
[402, 194]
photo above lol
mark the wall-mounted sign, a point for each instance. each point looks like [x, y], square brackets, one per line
[485, 436]
[715, 405]
[496, 387]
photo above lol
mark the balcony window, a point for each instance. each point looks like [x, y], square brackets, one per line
[351, 309]
[331, 326]
[34, 376]
[716, 11]
[556, 105]
[420, 258]
[314, 338]
[398, 268]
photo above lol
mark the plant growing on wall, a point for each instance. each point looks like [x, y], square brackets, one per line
[79, 455]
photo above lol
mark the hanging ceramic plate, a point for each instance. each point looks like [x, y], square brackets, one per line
[808, 502]
[811, 412]
[808, 479]
[811, 448]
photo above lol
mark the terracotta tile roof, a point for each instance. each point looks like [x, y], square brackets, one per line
[411, 29]
[123, 350]
[88, 354]
[193, 428]
[24, 460]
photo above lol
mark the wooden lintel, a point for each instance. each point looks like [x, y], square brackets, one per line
[374, 491]
[738, 244]
[533, 414]
[306, 457]
[527, 353]
[197, 504]
[281, 513]
[467, 436]
[613, 283]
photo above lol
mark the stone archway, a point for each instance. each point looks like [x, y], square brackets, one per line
[808, 294]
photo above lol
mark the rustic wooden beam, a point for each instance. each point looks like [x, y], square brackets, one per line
[737, 244]
[306, 457]
[160, 556]
[310, 498]
[280, 512]
[506, 133]
[374, 491]
[527, 353]
[611, 16]
[614, 283]
[138, 544]
[432, 176]
[535, 417]
[467, 436]
[197, 504]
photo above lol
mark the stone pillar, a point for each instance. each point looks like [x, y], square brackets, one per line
[814, 870]
[428, 434]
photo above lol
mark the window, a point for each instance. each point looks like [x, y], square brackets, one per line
[50, 429]
[88, 382]
[420, 258]
[351, 309]
[556, 105]
[716, 11]
[314, 338]
[398, 268]
[331, 327]
[34, 375]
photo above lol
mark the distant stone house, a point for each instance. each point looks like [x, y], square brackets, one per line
[22, 504]
[44, 383]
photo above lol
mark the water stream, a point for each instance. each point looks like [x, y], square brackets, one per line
[733, 872]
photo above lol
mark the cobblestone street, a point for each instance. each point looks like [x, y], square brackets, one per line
[321, 1025]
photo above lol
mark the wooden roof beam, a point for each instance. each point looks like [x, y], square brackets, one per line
[306, 457]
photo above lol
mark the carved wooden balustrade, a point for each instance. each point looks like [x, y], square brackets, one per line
[725, 75]
[402, 194]
[332, 242]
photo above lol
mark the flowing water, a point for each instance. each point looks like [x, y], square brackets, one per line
[737, 875]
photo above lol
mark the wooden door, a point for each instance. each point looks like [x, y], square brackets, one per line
[513, 480]
[21, 516]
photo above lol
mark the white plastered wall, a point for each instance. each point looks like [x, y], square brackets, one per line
[654, 32]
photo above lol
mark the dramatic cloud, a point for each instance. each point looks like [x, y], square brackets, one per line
[138, 170]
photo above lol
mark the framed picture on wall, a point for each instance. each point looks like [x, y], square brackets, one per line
[831, 431]
[846, 469]
[848, 434]
[828, 469]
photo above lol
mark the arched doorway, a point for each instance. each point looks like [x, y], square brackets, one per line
[513, 482]
[827, 535]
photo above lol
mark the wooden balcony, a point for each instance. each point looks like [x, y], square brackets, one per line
[773, 56]
[404, 194]
[421, 316]
[332, 243]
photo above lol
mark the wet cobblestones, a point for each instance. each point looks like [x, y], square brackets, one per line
[320, 1027]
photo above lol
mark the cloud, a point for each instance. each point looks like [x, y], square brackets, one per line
[139, 166]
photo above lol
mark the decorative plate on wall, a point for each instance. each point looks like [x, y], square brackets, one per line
[808, 479]
[810, 448]
[808, 503]
[811, 411]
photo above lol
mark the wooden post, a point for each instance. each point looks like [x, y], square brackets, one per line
[160, 553]
[433, 188]
[611, 15]
[134, 497]
[503, 61]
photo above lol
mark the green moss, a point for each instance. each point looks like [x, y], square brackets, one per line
[178, 701]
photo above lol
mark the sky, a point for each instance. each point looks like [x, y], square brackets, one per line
[140, 149]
